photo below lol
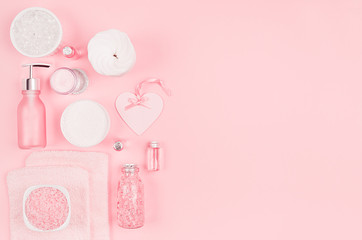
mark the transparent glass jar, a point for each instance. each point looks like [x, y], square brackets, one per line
[130, 198]
[69, 81]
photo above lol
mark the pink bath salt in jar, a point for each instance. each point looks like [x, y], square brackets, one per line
[46, 208]
[130, 198]
[69, 81]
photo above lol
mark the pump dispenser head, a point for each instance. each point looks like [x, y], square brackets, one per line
[33, 83]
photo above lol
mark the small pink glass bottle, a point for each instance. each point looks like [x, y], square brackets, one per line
[153, 156]
[31, 114]
[71, 52]
[130, 198]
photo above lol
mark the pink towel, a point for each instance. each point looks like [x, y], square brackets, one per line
[97, 166]
[49, 203]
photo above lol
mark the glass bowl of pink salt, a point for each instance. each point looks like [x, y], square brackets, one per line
[69, 81]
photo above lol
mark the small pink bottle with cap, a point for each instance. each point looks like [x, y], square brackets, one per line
[153, 156]
[31, 113]
[70, 52]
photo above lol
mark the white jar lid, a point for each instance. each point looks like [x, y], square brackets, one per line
[36, 32]
[85, 123]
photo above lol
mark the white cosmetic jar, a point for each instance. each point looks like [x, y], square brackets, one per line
[36, 32]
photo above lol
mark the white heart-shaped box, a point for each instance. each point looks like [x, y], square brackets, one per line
[139, 117]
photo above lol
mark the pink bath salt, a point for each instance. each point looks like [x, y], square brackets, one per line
[63, 81]
[46, 208]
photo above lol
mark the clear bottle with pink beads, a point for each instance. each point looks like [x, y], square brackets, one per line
[130, 198]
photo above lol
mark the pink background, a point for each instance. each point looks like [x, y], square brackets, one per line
[262, 135]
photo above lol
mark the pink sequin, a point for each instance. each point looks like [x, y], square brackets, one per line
[46, 208]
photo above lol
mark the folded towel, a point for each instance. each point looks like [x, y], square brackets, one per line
[49, 203]
[97, 166]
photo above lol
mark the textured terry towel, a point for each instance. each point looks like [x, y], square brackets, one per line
[97, 166]
[49, 203]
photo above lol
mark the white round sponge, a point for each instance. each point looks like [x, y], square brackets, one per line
[85, 123]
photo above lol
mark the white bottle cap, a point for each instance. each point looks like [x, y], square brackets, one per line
[154, 144]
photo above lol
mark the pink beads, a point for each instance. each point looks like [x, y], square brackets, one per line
[46, 208]
[130, 198]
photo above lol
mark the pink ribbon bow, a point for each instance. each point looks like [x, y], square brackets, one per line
[136, 102]
[140, 99]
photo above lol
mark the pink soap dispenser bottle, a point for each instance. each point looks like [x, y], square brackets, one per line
[31, 113]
